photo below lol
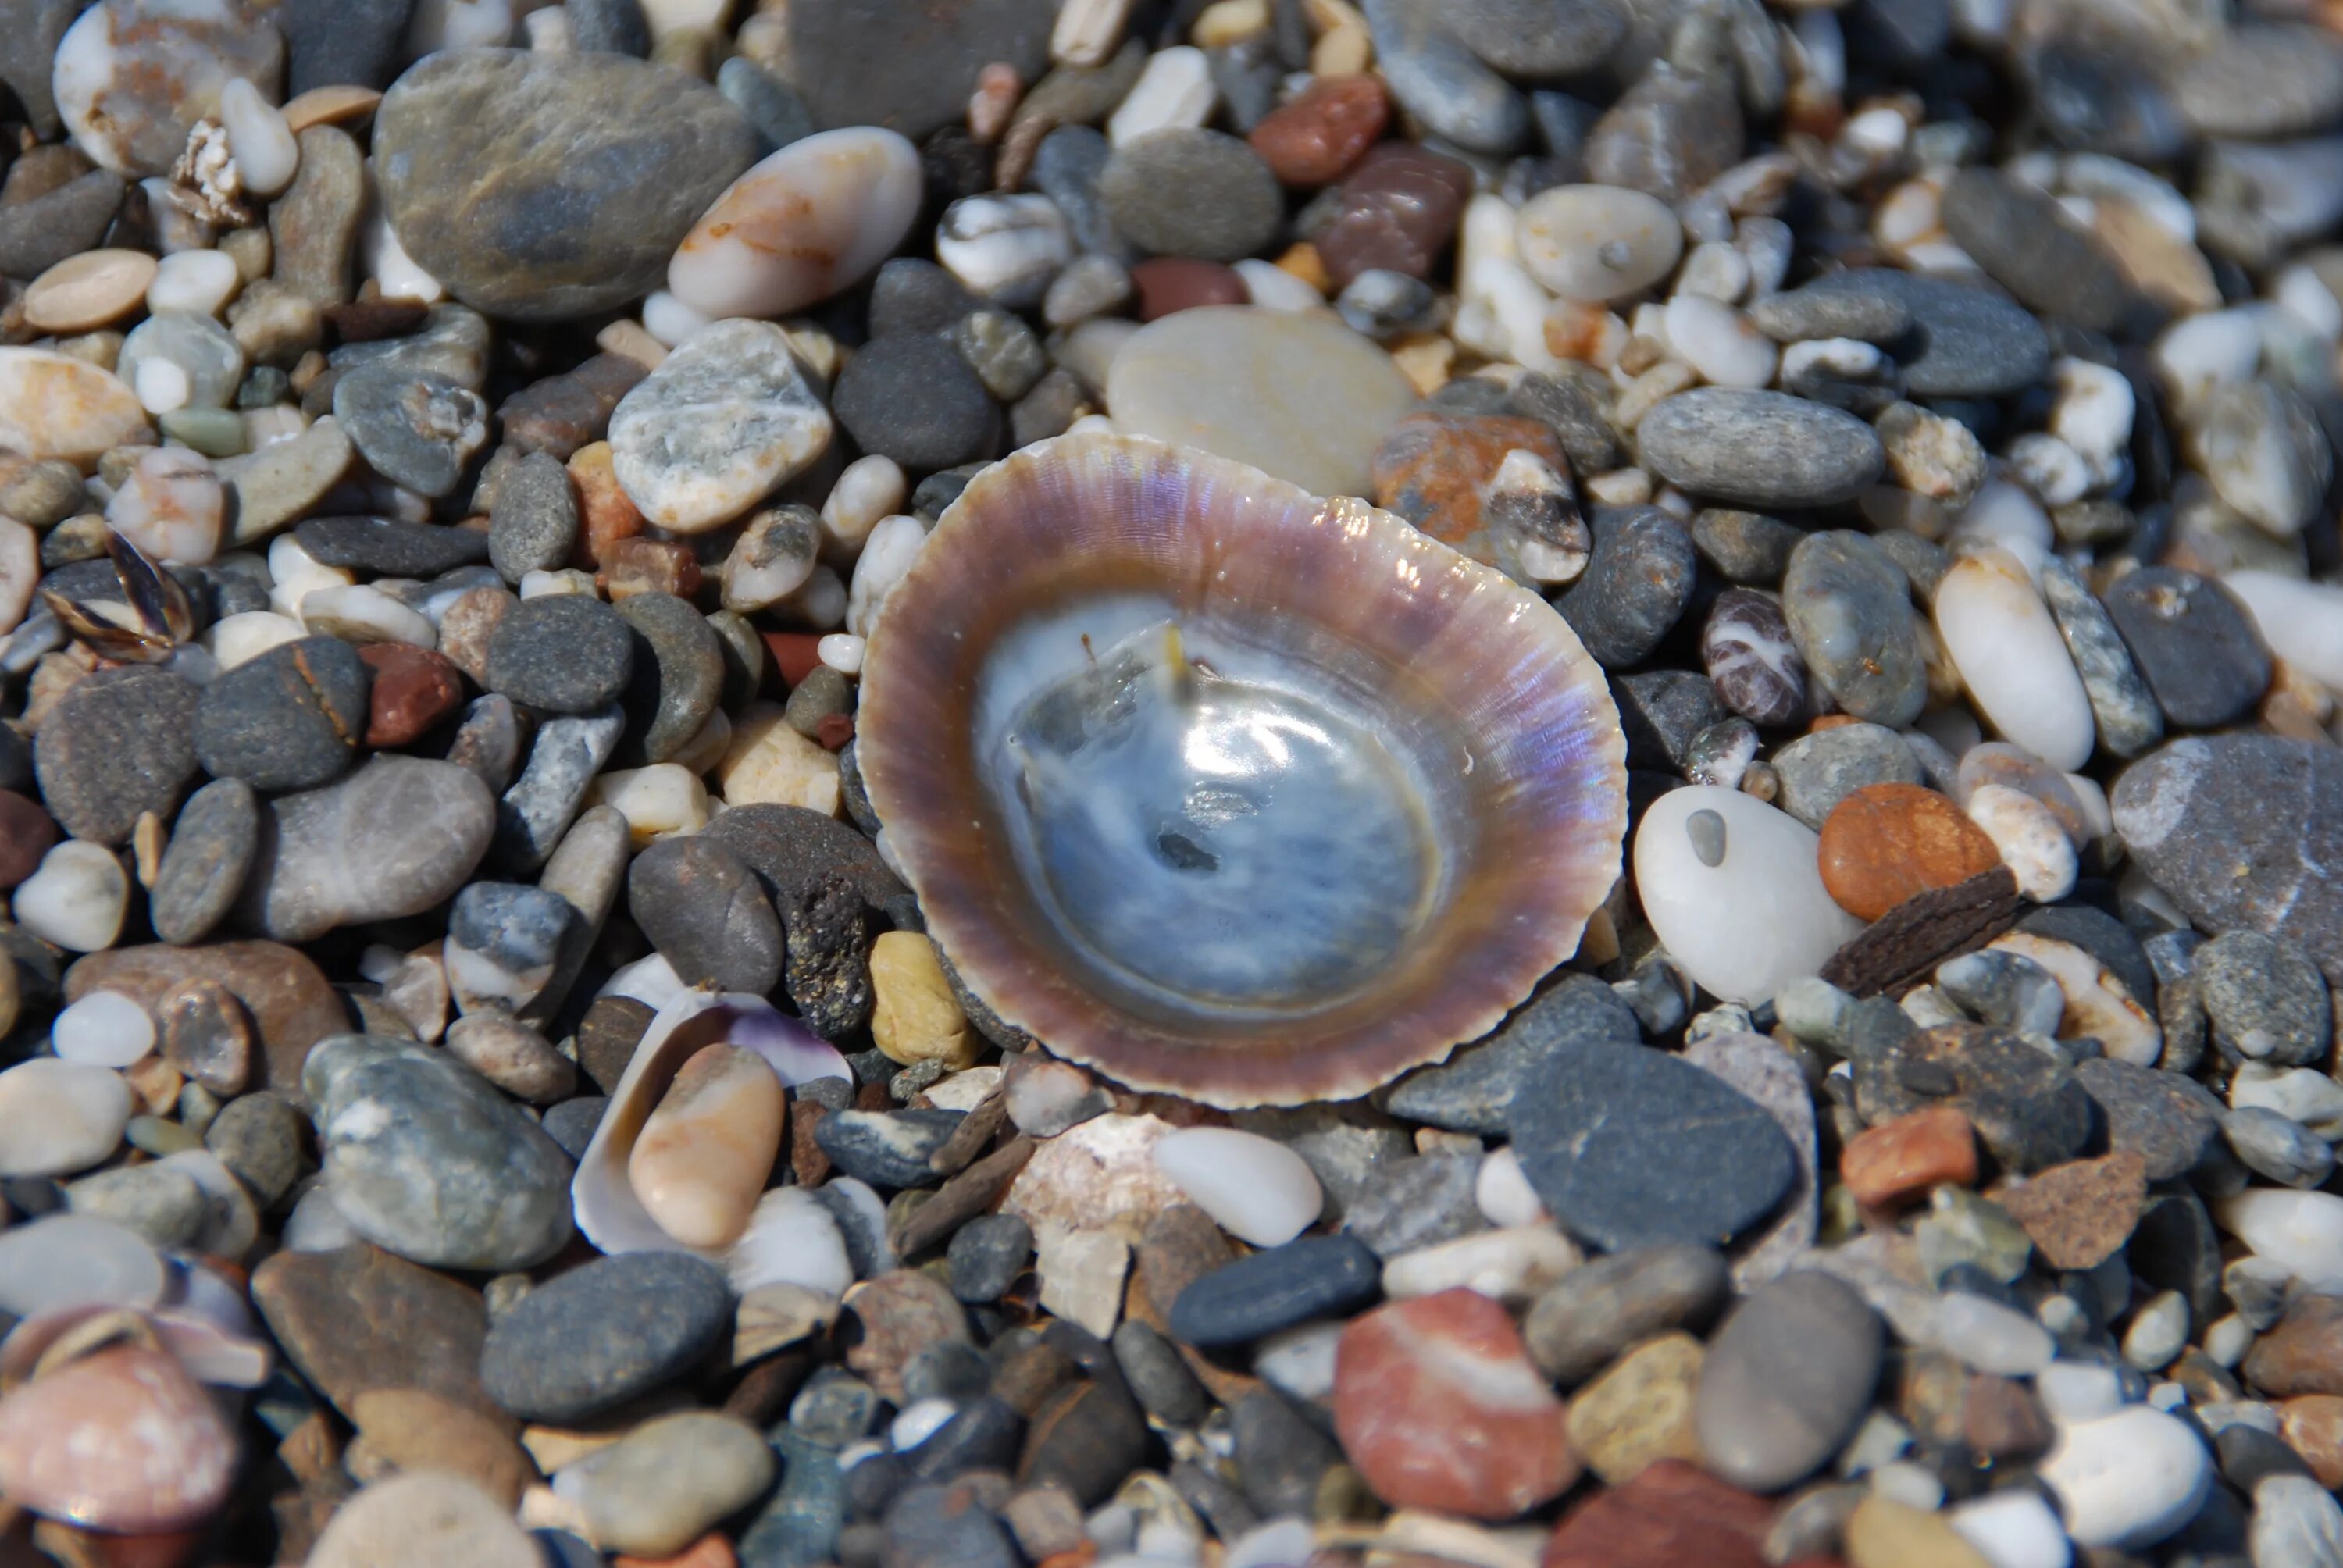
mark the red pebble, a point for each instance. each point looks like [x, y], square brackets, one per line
[834, 732]
[1166, 283]
[796, 654]
[1399, 209]
[1673, 1515]
[413, 690]
[1439, 1406]
[1313, 139]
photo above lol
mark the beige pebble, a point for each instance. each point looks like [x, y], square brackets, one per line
[916, 1018]
[768, 763]
[423, 1517]
[512, 1055]
[708, 1146]
[94, 289]
[52, 405]
[334, 106]
[2033, 844]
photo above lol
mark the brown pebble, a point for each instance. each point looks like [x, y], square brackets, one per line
[2302, 1352]
[2312, 1426]
[92, 289]
[796, 654]
[834, 732]
[630, 566]
[1434, 467]
[26, 833]
[333, 105]
[2001, 1418]
[1912, 939]
[414, 689]
[1886, 842]
[1314, 138]
[1167, 284]
[467, 625]
[605, 512]
[371, 320]
[205, 1033]
[1397, 211]
[1903, 1159]
[2080, 1212]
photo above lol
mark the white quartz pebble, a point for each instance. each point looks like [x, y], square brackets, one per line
[2093, 412]
[564, 580]
[1255, 1189]
[2033, 844]
[813, 218]
[258, 138]
[171, 506]
[76, 897]
[659, 801]
[791, 1239]
[360, 613]
[200, 282]
[920, 1421]
[2002, 639]
[2209, 350]
[1004, 249]
[400, 276]
[669, 319]
[2013, 1528]
[2301, 1094]
[67, 1260]
[1272, 286]
[2006, 513]
[20, 571]
[869, 488]
[1174, 91]
[1732, 888]
[886, 554]
[295, 574]
[1718, 341]
[2129, 1479]
[104, 1029]
[1276, 1543]
[1989, 1337]
[1513, 1265]
[1299, 1362]
[59, 1116]
[842, 652]
[234, 639]
[1597, 241]
[2302, 621]
[1504, 1193]
[2300, 1232]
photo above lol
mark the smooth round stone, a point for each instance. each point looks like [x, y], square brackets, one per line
[704, 910]
[1437, 79]
[918, 402]
[1821, 770]
[545, 186]
[700, 1163]
[722, 421]
[2001, 638]
[288, 719]
[2265, 999]
[809, 221]
[104, 1029]
[1786, 1381]
[2302, 1232]
[1597, 241]
[2199, 650]
[1008, 249]
[424, 1516]
[2264, 452]
[417, 428]
[2300, 621]
[915, 1018]
[53, 405]
[1539, 39]
[157, 1202]
[1760, 448]
[85, 291]
[133, 76]
[1989, 1337]
[123, 1440]
[2126, 711]
[63, 1261]
[57, 1117]
[1747, 649]
[602, 1334]
[267, 155]
[1968, 342]
[1300, 397]
[2128, 1480]
[2263, 81]
[562, 653]
[2031, 841]
[1765, 860]
[394, 838]
[76, 900]
[1884, 843]
[2014, 1528]
[171, 506]
[1193, 192]
[114, 747]
[512, 1055]
[427, 1160]
[1849, 609]
[183, 361]
[1637, 580]
[1259, 1294]
[667, 1483]
[1258, 1191]
[872, 62]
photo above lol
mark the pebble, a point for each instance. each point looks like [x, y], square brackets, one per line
[2265, 453]
[115, 747]
[1439, 1406]
[1759, 449]
[132, 78]
[1787, 1379]
[1436, 78]
[724, 419]
[1884, 843]
[1988, 1337]
[917, 401]
[1688, 900]
[2001, 638]
[701, 1161]
[1258, 1191]
[562, 653]
[1635, 585]
[1819, 772]
[290, 718]
[2128, 1480]
[78, 899]
[2197, 647]
[177, 362]
[704, 911]
[58, 1117]
[1972, 342]
[628, 1495]
[1597, 1311]
[55, 407]
[600, 1334]
[809, 221]
[887, 1148]
[2297, 620]
[1315, 137]
[424, 1516]
[394, 838]
[85, 292]
[542, 186]
[1192, 193]
[148, 1452]
[1257, 1295]
[1303, 397]
[1395, 212]
[1850, 614]
[2264, 998]
[1747, 649]
[1671, 1512]
[104, 1029]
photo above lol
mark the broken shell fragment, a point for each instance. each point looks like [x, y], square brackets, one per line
[1227, 790]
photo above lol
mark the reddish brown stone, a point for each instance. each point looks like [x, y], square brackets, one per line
[2303, 1353]
[1903, 1159]
[796, 654]
[807, 1163]
[1434, 465]
[2079, 1213]
[834, 732]
[26, 833]
[901, 1313]
[1438, 1405]
[562, 413]
[286, 996]
[2002, 1420]
[1672, 1515]
[1886, 842]
[606, 514]
[1397, 211]
[357, 1319]
[630, 566]
[711, 1551]
[1315, 137]
[414, 689]
[1166, 283]
[2312, 1426]
[370, 320]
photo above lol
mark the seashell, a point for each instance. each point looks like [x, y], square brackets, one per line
[1227, 790]
[601, 1197]
[210, 1353]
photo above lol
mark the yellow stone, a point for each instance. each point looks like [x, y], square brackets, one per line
[705, 1149]
[770, 764]
[1884, 1534]
[916, 1018]
[1227, 21]
[1639, 1410]
[92, 289]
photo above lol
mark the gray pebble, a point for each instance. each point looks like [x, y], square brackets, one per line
[2123, 708]
[769, 103]
[533, 526]
[1276, 1288]
[2278, 1147]
[1669, 134]
[1661, 711]
[288, 719]
[1786, 1381]
[1967, 342]
[118, 744]
[1819, 770]
[561, 653]
[604, 1332]
[1196, 193]
[614, 28]
[913, 298]
[562, 762]
[2264, 81]
[887, 1149]
[1634, 588]
[1759, 449]
[1746, 548]
[260, 1137]
[417, 428]
[986, 1256]
[1407, 1204]
[205, 865]
[916, 400]
[2265, 999]
[676, 680]
[707, 915]
[1850, 613]
[2196, 646]
[1473, 1090]
[1606, 1305]
[2167, 1119]
[1804, 315]
[391, 548]
[1538, 38]
[1437, 79]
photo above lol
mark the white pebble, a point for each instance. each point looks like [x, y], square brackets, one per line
[1708, 915]
[1278, 1544]
[2212, 350]
[920, 1421]
[659, 801]
[2014, 1528]
[547, 31]
[1719, 342]
[400, 276]
[1597, 241]
[1299, 1362]
[1087, 31]
[869, 488]
[1004, 249]
[2129, 1479]
[842, 652]
[59, 1116]
[2001, 638]
[171, 506]
[2094, 409]
[1716, 269]
[199, 282]
[2302, 621]
[2302, 1232]
[1842, 359]
[1272, 287]
[2053, 470]
[2301, 289]
[807, 221]
[2005, 513]
[1909, 1482]
[791, 1239]
[104, 1029]
[263, 145]
[1513, 1265]
[76, 898]
[1174, 91]
[1255, 1189]
[669, 319]
[2226, 1340]
[561, 580]
[2159, 1332]
[2301, 1094]
[1504, 1193]
[235, 639]
[295, 574]
[1988, 1337]
[2033, 844]
[894, 545]
[363, 614]
[162, 386]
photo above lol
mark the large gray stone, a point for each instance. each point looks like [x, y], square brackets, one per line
[394, 838]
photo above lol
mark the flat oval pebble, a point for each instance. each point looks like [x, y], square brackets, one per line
[2129, 1479]
[52, 405]
[424, 1516]
[1786, 1380]
[122, 1440]
[723, 420]
[1701, 856]
[810, 220]
[699, 1163]
[59, 1116]
[394, 838]
[77, 898]
[1258, 1191]
[290, 718]
[1303, 397]
[601, 1333]
[563, 653]
[1747, 649]
[1760, 448]
[1967, 342]
[89, 290]
[1849, 609]
[2198, 648]
[2001, 638]
[1257, 1295]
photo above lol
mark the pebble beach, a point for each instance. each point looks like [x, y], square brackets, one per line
[1161, 784]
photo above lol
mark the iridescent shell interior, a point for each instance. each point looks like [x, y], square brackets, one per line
[1226, 789]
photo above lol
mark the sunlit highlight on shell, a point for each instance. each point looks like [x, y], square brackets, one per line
[1228, 790]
